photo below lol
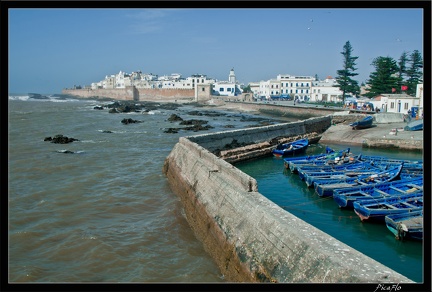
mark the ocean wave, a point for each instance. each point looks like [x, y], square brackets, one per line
[19, 97]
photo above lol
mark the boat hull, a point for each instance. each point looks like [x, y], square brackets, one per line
[406, 226]
[378, 209]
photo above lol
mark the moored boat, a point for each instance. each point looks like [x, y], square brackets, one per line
[311, 176]
[377, 209]
[291, 148]
[346, 197]
[406, 225]
[324, 187]
[338, 157]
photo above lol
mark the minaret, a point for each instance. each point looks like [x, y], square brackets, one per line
[231, 77]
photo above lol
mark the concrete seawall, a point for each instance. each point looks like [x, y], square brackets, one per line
[250, 238]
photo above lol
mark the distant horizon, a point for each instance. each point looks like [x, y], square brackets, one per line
[67, 47]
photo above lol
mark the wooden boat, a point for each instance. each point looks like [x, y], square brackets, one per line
[309, 157]
[342, 166]
[329, 159]
[406, 225]
[291, 148]
[324, 187]
[346, 197]
[363, 123]
[311, 176]
[414, 125]
[377, 209]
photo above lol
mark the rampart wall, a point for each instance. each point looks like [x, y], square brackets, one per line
[251, 238]
[133, 93]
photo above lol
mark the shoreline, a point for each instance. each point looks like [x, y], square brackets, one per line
[381, 135]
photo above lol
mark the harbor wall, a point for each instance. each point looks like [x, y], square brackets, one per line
[134, 93]
[251, 238]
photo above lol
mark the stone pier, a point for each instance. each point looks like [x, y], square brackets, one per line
[250, 238]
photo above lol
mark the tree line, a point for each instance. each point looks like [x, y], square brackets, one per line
[390, 76]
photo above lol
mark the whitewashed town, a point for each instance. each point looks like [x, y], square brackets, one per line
[282, 88]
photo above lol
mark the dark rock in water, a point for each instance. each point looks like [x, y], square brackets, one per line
[106, 131]
[193, 122]
[37, 96]
[197, 128]
[127, 106]
[174, 118]
[60, 139]
[130, 121]
[98, 107]
[171, 130]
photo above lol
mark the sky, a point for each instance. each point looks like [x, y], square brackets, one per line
[50, 49]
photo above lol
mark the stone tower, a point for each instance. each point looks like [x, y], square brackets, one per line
[232, 77]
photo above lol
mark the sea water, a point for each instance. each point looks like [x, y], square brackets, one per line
[105, 213]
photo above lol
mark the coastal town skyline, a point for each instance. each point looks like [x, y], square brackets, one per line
[80, 46]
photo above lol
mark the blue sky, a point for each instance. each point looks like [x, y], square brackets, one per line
[51, 49]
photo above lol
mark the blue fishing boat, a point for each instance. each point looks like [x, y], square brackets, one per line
[309, 158]
[346, 197]
[311, 176]
[343, 165]
[415, 125]
[406, 225]
[324, 187]
[363, 123]
[377, 209]
[338, 157]
[291, 148]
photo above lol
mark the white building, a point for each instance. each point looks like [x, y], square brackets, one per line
[419, 95]
[395, 103]
[297, 87]
[325, 91]
[286, 86]
[227, 88]
[255, 88]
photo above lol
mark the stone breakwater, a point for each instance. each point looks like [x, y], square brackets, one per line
[251, 238]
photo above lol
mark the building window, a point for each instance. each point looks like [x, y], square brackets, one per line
[392, 104]
[202, 80]
[296, 84]
[406, 105]
[307, 84]
[307, 90]
[203, 89]
[286, 84]
[277, 86]
[291, 84]
[221, 89]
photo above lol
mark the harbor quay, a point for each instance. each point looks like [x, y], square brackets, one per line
[251, 238]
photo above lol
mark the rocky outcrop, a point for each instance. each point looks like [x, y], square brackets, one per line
[60, 139]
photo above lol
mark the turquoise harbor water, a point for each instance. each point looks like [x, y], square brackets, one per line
[105, 214]
[374, 240]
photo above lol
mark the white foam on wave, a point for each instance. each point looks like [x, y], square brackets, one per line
[19, 97]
